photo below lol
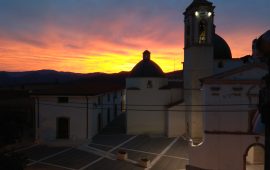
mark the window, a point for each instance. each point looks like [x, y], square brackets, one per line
[215, 91]
[115, 95]
[62, 99]
[237, 91]
[237, 88]
[149, 84]
[99, 99]
[202, 32]
[100, 123]
[115, 110]
[215, 94]
[123, 106]
[109, 97]
[215, 88]
[108, 115]
[236, 94]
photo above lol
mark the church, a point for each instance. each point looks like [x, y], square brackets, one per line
[215, 105]
[151, 100]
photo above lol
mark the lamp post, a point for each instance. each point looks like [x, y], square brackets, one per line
[263, 46]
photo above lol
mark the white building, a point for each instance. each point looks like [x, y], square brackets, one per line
[230, 110]
[151, 101]
[221, 97]
[75, 113]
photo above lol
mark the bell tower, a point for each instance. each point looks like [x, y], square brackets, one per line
[199, 26]
[198, 61]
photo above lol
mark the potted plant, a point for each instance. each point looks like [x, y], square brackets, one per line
[144, 162]
[122, 155]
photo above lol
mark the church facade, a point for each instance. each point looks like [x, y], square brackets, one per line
[152, 99]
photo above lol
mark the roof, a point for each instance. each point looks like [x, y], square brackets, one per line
[80, 89]
[221, 48]
[146, 68]
[197, 3]
[220, 76]
[13, 93]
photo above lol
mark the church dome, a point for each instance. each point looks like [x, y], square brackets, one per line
[221, 48]
[146, 68]
[263, 44]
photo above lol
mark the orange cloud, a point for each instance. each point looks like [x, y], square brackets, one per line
[106, 46]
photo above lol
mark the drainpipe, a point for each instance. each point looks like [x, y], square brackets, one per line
[87, 112]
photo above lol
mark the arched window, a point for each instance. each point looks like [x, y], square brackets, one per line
[202, 32]
[254, 157]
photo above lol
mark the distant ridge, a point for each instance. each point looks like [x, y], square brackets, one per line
[9, 79]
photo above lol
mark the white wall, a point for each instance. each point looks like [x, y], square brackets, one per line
[176, 125]
[50, 110]
[141, 82]
[147, 107]
[76, 110]
[231, 108]
[222, 152]
[227, 124]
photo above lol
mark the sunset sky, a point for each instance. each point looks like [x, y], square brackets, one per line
[110, 35]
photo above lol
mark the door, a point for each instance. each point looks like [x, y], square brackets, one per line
[115, 110]
[100, 123]
[62, 128]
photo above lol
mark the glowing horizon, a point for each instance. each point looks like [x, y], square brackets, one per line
[90, 36]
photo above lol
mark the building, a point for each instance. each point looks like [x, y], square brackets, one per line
[205, 53]
[221, 97]
[69, 114]
[16, 118]
[230, 111]
[152, 99]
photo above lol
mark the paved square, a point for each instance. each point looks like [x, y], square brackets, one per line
[101, 147]
[179, 149]
[134, 155]
[164, 154]
[41, 151]
[110, 140]
[167, 163]
[40, 166]
[73, 158]
[149, 144]
[106, 164]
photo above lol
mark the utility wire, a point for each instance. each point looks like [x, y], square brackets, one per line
[96, 104]
[152, 110]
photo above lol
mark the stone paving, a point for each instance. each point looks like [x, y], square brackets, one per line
[100, 154]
